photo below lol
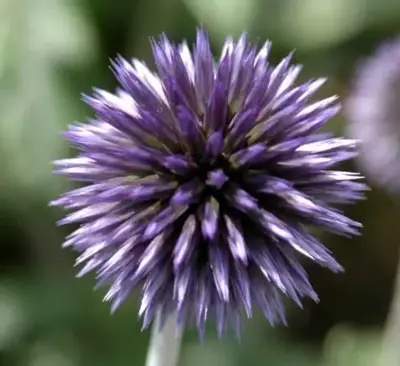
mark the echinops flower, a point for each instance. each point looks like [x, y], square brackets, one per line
[373, 111]
[203, 181]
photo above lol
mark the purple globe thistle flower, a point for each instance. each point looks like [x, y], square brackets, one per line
[373, 110]
[203, 182]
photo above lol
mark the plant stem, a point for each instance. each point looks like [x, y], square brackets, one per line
[164, 347]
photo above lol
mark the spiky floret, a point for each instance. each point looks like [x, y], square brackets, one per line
[203, 180]
[373, 112]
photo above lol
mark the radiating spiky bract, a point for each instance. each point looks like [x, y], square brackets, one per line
[373, 110]
[203, 180]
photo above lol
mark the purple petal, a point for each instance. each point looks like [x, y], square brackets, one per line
[186, 243]
[220, 271]
[209, 223]
[187, 193]
[236, 241]
[215, 145]
[216, 178]
[178, 164]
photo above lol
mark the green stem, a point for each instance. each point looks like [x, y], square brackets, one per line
[164, 347]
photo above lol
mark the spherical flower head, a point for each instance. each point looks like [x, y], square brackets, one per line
[203, 182]
[373, 110]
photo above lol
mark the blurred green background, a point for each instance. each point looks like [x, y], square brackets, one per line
[50, 52]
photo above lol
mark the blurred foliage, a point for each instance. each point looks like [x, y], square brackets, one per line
[50, 52]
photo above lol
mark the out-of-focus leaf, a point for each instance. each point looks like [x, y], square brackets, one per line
[37, 38]
[383, 13]
[260, 344]
[224, 17]
[13, 320]
[348, 347]
[311, 24]
[167, 19]
[215, 353]
[51, 352]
